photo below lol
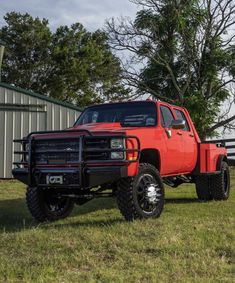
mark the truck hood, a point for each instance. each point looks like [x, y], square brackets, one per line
[95, 128]
[102, 127]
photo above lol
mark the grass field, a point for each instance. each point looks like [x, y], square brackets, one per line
[190, 242]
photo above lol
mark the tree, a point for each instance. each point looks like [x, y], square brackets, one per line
[184, 54]
[27, 54]
[71, 64]
[85, 70]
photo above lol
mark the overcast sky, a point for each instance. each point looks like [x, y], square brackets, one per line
[90, 13]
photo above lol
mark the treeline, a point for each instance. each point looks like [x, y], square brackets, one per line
[70, 64]
[182, 52]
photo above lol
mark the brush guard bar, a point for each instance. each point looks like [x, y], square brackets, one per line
[29, 165]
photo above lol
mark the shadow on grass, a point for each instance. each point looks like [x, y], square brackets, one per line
[14, 215]
[181, 200]
[87, 223]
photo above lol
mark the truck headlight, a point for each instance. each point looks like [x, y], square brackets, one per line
[117, 143]
[117, 155]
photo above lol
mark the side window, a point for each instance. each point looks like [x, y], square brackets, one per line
[180, 115]
[166, 116]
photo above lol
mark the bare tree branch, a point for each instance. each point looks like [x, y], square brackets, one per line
[190, 52]
[222, 123]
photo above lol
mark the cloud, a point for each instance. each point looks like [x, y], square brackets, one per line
[91, 13]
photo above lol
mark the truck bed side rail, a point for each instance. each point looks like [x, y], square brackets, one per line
[228, 144]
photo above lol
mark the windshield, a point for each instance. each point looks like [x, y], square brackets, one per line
[133, 114]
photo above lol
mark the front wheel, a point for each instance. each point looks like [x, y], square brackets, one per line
[141, 196]
[45, 206]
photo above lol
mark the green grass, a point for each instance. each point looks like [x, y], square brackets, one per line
[190, 242]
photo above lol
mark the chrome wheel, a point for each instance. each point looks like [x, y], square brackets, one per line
[45, 205]
[142, 196]
[149, 193]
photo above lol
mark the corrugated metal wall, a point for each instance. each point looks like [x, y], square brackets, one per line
[21, 114]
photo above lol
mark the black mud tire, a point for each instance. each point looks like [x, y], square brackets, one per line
[203, 188]
[220, 184]
[39, 204]
[128, 197]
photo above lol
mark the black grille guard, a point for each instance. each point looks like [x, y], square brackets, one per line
[81, 164]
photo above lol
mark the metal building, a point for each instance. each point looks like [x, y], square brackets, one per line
[22, 112]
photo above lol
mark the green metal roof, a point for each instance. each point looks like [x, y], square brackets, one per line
[40, 96]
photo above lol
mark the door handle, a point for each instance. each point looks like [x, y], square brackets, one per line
[191, 135]
[179, 133]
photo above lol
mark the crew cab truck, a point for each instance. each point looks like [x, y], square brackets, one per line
[128, 150]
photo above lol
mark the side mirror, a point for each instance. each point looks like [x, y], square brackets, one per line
[178, 124]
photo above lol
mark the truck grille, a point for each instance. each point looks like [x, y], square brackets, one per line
[66, 151]
[56, 152]
[91, 144]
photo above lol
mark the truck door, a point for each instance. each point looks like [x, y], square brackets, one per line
[189, 143]
[172, 160]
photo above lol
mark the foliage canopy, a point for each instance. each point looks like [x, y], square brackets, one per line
[185, 54]
[70, 64]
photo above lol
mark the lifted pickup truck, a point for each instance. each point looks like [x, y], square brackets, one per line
[128, 150]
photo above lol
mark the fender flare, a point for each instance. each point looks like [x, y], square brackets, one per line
[152, 154]
[220, 159]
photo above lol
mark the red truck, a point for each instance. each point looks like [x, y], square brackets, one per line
[128, 150]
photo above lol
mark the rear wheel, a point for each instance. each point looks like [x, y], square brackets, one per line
[45, 206]
[220, 184]
[203, 188]
[141, 196]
